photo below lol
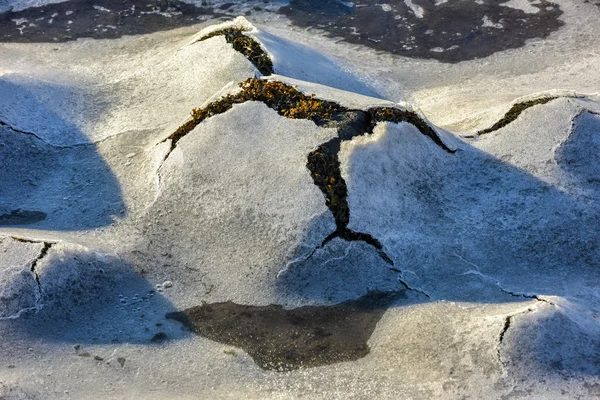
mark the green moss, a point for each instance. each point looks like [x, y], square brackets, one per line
[249, 47]
[514, 113]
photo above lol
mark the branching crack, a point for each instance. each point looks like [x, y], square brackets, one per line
[323, 163]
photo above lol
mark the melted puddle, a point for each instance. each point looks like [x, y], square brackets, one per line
[283, 340]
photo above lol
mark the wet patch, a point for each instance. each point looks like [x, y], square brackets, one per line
[283, 340]
[22, 217]
[99, 19]
[448, 31]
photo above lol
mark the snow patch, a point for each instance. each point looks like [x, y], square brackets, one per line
[416, 9]
[523, 5]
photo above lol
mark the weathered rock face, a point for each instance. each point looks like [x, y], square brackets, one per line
[280, 244]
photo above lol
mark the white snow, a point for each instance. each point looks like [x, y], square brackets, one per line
[416, 9]
[487, 23]
[504, 229]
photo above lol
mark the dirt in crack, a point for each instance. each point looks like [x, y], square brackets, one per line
[283, 340]
[42, 254]
[507, 323]
[247, 46]
[323, 163]
[514, 113]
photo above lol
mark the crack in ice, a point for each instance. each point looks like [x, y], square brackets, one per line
[496, 282]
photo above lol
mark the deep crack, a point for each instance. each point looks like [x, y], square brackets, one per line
[508, 320]
[43, 253]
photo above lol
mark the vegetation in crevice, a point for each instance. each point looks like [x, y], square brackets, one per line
[323, 163]
[247, 46]
[514, 113]
[285, 99]
[390, 114]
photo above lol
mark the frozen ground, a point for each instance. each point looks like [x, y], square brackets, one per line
[135, 267]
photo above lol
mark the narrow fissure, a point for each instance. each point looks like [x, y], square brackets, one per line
[527, 296]
[507, 322]
[33, 269]
[2, 123]
[42, 254]
[514, 113]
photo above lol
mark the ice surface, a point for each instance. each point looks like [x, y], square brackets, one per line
[495, 246]
[18, 288]
[255, 202]
[76, 107]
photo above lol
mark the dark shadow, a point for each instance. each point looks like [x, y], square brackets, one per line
[87, 298]
[98, 19]
[451, 32]
[45, 186]
[579, 156]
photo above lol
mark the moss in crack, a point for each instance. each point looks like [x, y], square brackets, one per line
[249, 47]
[323, 163]
[390, 114]
[324, 167]
[285, 99]
[514, 113]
